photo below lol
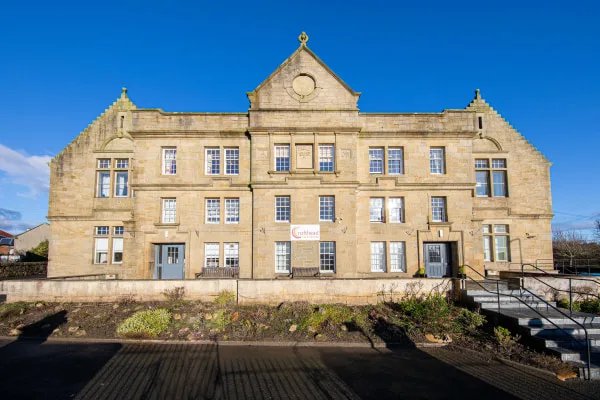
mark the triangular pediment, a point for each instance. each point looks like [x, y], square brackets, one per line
[304, 82]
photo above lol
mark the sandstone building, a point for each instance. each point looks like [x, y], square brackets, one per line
[303, 179]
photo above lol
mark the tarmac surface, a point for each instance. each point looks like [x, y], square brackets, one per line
[32, 369]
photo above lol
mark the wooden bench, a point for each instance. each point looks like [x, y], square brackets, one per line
[219, 272]
[305, 272]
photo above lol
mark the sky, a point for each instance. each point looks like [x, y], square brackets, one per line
[536, 62]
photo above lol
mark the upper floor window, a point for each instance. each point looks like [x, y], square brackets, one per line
[376, 209]
[104, 163]
[232, 161]
[282, 208]
[376, 160]
[232, 211]
[169, 161]
[169, 211]
[327, 208]
[119, 174]
[437, 160]
[438, 209]
[497, 175]
[396, 207]
[496, 242]
[213, 160]
[326, 158]
[213, 211]
[121, 177]
[282, 157]
[395, 160]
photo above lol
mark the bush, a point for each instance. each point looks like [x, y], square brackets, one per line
[328, 314]
[225, 298]
[145, 324]
[505, 339]
[8, 310]
[431, 313]
[174, 296]
[590, 306]
[469, 321]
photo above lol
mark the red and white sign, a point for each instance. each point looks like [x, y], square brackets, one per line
[305, 232]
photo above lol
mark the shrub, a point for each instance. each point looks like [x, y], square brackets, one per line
[8, 310]
[431, 313]
[469, 321]
[504, 338]
[174, 296]
[225, 298]
[145, 324]
[590, 306]
[328, 314]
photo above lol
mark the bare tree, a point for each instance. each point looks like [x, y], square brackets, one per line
[597, 230]
[570, 245]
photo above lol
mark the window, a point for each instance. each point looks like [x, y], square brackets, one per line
[327, 208]
[232, 211]
[397, 257]
[232, 255]
[377, 256]
[121, 184]
[376, 211]
[122, 163]
[326, 158]
[211, 255]
[169, 211]
[104, 163]
[213, 211]
[169, 161]
[438, 209]
[436, 160]
[117, 247]
[496, 243]
[101, 251]
[103, 184]
[376, 160]
[102, 230]
[282, 157]
[118, 230]
[395, 161]
[497, 172]
[396, 207]
[282, 257]
[213, 160]
[327, 256]
[232, 161]
[282, 208]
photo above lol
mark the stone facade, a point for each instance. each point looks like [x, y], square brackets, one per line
[303, 105]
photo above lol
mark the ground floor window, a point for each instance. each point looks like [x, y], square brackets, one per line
[327, 256]
[232, 255]
[283, 253]
[107, 242]
[496, 242]
[101, 251]
[397, 256]
[377, 256]
[211, 255]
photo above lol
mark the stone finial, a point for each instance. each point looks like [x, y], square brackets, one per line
[123, 92]
[303, 38]
[477, 94]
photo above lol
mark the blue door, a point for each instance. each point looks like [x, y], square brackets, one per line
[437, 260]
[169, 261]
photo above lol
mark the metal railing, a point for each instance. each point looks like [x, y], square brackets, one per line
[572, 266]
[561, 276]
[536, 311]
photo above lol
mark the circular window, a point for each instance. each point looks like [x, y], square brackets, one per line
[303, 85]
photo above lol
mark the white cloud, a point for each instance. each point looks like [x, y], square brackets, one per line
[10, 221]
[21, 169]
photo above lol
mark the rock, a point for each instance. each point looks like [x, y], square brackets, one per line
[435, 339]
[14, 332]
[184, 331]
[176, 317]
[73, 329]
[138, 308]
[312, 329]
[225, 337]
[447, 339]
[235, 316]
[39, 305]
[115, 306]
[344, 328]
[564, 375]
[320, 337]
[75, 310]
[81, 333]
[293, 328]
[98, 316]
[208, 316]
[58, 308]
[56, 330]
[20, 326]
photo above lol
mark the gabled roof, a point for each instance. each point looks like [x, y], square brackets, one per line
[5, 234]
[303, 38]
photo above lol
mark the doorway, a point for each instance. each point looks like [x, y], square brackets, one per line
[438, 259]
[169, 261]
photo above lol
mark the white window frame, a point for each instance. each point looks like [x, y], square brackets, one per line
[329, 247]
[398, 256]
[327, 157]
[374, 160]
[396, 210]
[437, 160]
[118, 185]
[280, 209]
[169, 210]
[101, 251]
[439, 204]
[231, 254]
[232, 210]
[378, 257]
[399, 159]
[326, 208]
[103, 185]
[117, 249]
[493, 169]
[232, 160]
[283, 257]
[213, 210]
[212, 255]
[209, 157]
[377, 209]
[170, 161]
[492, 234]
[282, 152]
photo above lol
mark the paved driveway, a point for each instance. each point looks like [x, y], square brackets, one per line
[60, 370]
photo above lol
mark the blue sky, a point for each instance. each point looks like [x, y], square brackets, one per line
[63, 63]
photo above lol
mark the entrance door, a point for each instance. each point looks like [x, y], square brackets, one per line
[437, 260]
[169, 261]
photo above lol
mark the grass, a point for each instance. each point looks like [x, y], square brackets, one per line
[225, 298]
[145, 324]
[8, 310]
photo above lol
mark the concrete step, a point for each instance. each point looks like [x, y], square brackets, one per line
[577, 355]
[571, 342]
[550, 331]
[594, 372]
[476, 292]
[514, 305]
[503, 299]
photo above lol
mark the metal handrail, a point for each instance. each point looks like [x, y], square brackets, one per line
[563, 276]
[587, 341]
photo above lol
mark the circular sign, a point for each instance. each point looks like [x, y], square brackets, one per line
[303, 85]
